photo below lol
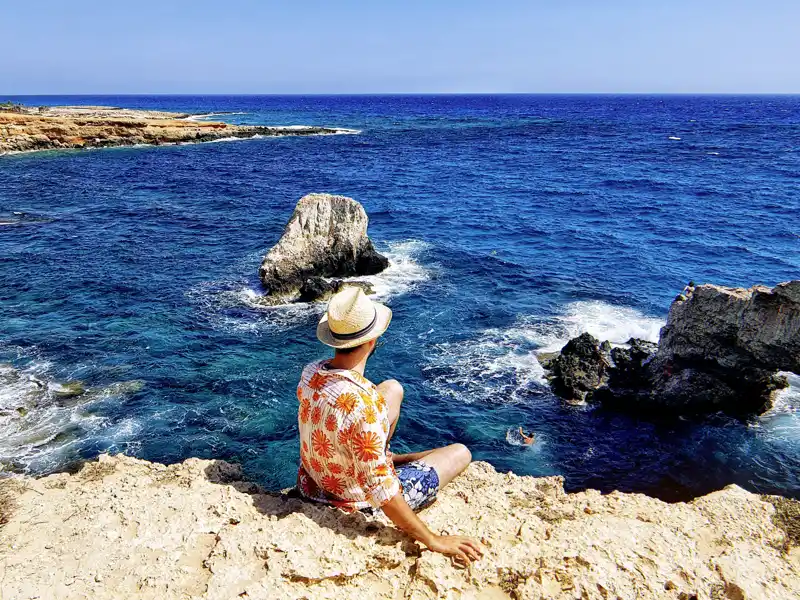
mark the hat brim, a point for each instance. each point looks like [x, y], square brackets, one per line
[384, 317]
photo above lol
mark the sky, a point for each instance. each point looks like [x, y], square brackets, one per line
[345, 46]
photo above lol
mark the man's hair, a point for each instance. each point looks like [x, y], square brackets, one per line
[349, 350]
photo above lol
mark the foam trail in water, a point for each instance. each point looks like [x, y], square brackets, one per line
[501, 365]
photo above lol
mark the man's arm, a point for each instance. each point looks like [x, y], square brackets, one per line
[464, 548]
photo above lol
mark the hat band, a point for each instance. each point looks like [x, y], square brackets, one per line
[357, 334]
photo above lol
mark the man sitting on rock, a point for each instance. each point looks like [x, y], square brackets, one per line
[346, 423]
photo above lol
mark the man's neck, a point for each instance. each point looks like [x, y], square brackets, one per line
[351, 362]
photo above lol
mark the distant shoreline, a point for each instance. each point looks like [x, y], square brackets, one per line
[29, 129]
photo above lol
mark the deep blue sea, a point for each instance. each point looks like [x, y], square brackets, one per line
[512, 224]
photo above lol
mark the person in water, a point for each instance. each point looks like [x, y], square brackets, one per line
[346, 423]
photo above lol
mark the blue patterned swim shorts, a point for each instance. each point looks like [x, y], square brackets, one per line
[420, 483]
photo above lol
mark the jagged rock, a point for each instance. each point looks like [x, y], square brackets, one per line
[581, 367]
[318, 289]
[720, 350]
[102, 127]
[325, 237]
[127, 528]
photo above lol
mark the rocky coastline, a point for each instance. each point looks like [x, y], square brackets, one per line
[26, 129]
[722, 350]
[127, 528]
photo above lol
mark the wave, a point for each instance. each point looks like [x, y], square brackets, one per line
[41, 429]
[235, 304]
[501, 364]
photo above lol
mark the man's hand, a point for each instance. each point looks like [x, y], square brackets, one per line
[458, 546]
[462, 548]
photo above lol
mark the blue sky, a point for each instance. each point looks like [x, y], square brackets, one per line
[343, 46]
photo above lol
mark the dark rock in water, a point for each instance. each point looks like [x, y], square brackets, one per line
[720, 350]
[581, 368]
[722, 347]
[325, 237]
[317, 289]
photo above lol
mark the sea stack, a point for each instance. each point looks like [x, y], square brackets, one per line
[326, 237]
[721, 351]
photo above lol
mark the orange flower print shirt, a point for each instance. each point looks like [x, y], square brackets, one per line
[344, 425]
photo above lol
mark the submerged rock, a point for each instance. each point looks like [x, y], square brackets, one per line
[70, 389]
[326, 237]
[126, 528]
[720, 350]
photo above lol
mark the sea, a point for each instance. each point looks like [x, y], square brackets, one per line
[512, 223]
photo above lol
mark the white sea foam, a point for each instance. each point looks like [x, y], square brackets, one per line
[37, 428]
[220, 299]
[617, 324]
[787, 400]
[501, 364]
[405, 270]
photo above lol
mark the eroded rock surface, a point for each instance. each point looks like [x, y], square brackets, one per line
[326, 237]
[126, 528]
[581, 367]
[721, 350]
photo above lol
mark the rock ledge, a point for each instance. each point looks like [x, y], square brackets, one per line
[127, 528]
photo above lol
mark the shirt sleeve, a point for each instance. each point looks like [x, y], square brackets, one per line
[374, 472]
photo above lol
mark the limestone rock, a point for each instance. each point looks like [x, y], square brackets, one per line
[126, 528]
[736, 328]
[325, 237]
[100, 127]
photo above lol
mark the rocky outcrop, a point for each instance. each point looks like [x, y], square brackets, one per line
[720, 350]
[581, 367]
[126, 528]
[98, 127]
[326, 237]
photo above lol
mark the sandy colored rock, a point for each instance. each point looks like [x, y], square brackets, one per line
[326, 236]
[126, 528]
[96, 127]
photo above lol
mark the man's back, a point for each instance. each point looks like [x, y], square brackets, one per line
[344, 424]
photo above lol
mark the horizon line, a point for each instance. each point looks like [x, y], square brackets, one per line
[187, 94]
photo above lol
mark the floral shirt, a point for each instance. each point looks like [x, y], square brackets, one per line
[344, 425]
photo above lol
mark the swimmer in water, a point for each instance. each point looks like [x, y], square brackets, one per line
[527, 439]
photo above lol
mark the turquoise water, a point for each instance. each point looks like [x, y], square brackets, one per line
[512, 223]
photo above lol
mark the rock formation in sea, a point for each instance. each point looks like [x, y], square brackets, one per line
[720, 350]
[326, 237]
[127, 528]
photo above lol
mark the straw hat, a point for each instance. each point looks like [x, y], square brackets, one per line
[352, 319]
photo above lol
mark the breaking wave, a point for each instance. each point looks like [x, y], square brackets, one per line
[42, 426]
[501, 364]
[235, 305]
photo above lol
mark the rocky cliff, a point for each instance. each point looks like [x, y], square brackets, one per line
[97, 127]
[126, 528]
[722, 349]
